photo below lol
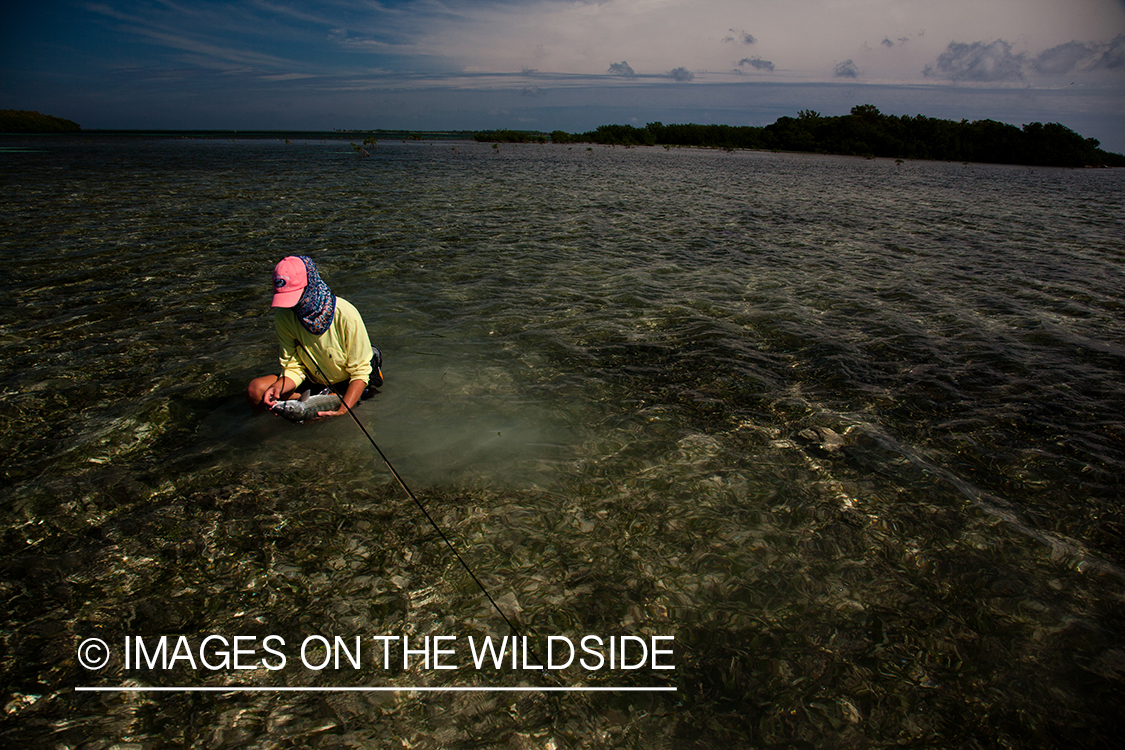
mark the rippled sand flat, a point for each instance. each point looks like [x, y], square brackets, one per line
[849, 431]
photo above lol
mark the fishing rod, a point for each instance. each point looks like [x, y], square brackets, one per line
[417, 502]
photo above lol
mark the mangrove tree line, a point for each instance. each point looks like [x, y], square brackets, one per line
[24, 121]
[866, 131]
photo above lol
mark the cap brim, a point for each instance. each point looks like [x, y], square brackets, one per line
[287, 298]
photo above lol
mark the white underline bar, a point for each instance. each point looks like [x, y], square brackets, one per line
[419, 689]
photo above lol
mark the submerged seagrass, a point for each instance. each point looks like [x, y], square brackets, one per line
[850, 430]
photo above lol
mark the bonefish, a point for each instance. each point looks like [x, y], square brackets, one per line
[307, 407]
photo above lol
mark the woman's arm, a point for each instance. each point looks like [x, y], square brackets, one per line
[351, 398]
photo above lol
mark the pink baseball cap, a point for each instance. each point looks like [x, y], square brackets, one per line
[289, 282]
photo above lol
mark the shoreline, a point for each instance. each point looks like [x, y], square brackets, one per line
[460, 136]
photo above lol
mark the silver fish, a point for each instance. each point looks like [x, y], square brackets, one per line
[306, 407]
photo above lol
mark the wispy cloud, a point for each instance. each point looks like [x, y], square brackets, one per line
[526, 53]
[201, 35]
[208, 51]
[288, 77]
[278, 9]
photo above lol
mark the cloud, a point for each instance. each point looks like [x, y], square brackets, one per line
[1061, 59]
[1114, 56]
[846, 69]
[980, 62]
[757, 63]
[287, 77]
[199, 35]
[681, 74]
[892, 43]
[330, 60]
[1085, 56]
[621, 69]
[743, 37]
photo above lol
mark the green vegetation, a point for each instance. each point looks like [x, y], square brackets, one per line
[864, 132]
[22, 121]
[868, 132]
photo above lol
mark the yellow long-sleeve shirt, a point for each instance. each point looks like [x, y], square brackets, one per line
[343, 351]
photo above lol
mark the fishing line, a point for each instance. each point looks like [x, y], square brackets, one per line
[421, 507]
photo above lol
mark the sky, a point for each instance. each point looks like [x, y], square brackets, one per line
[561, 64]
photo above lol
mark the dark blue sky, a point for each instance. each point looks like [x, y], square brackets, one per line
[563, 64]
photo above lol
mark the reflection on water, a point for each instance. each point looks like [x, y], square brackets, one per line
[849, 430]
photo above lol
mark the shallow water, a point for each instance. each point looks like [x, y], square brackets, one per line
[850, 431]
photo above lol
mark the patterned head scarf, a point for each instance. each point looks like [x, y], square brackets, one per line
[317, 305]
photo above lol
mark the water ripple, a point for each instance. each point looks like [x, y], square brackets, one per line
[850, 430]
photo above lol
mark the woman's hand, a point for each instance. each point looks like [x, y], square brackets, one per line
[274, 392]
[350, 399]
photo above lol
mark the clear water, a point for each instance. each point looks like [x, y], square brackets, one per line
[851, 431]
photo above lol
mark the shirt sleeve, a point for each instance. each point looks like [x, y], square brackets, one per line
[291, 366]
[358, 347]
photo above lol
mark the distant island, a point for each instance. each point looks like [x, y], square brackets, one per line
[864, 132]
[23, 121]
